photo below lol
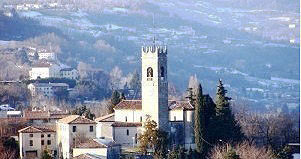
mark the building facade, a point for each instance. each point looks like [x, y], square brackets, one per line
[72, 129]
[34, 140]
[44, 70]
[69, 73]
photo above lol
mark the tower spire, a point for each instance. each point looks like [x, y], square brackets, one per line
[154, 35]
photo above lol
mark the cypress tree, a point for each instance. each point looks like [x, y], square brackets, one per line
[199, 123]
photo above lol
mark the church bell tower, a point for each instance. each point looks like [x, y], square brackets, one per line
[154, 85]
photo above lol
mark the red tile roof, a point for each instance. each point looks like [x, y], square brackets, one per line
[129, 104]
[185, 105]
[76, 119]
[90, 143]
[137, 104]
[31, 115]
[127, 124]
[35, 129]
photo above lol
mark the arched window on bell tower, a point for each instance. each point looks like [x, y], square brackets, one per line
[162, 73]
[150, 74]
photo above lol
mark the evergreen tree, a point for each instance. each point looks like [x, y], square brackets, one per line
[115, 99]
[83, 111]
[227, 129]
[160, 145]
[199, 123]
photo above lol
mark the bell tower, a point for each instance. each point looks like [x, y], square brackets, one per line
[154, 85]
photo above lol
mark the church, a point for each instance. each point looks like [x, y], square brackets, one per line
[175, 117]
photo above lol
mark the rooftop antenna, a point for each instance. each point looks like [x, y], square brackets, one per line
[154, 38]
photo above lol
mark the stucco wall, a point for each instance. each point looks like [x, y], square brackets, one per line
[104, 129]
[121, 115]
[121, 137]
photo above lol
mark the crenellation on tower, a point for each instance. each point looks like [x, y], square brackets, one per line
[154, 49]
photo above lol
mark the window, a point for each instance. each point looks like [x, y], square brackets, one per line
[175, 118]
[149, 72]
[74, 129]
[141, 119]
[49, 135]
[127, 132]
[42, 135]
[126, 119]
[42, 142]
[91, 128]
[30, 135]
[48, 142]
[30, 142]
[162, 71]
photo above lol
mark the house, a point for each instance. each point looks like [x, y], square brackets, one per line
[47, 55]
[46, 89]
[34, 140]
[72, 129]
[101, 147]
[69, 73]
[44, 70]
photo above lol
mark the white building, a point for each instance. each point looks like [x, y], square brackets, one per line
[69, 73]
[34, 140]
[46, 89]
[47, 55]
[70, 130]
[44, 70]
[175, 117]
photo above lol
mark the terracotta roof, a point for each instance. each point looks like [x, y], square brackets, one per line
[89, 156]
[44, 115]
[35, 129]
[129, 104]
[36, 114]
[76, 119]
[137, 104]
[106, 118]
[185, 105]
[90, 143]
[127, 124]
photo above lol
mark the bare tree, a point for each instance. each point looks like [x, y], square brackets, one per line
[244, 150]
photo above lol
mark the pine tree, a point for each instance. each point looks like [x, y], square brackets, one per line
[227, 129]
[160, 145]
